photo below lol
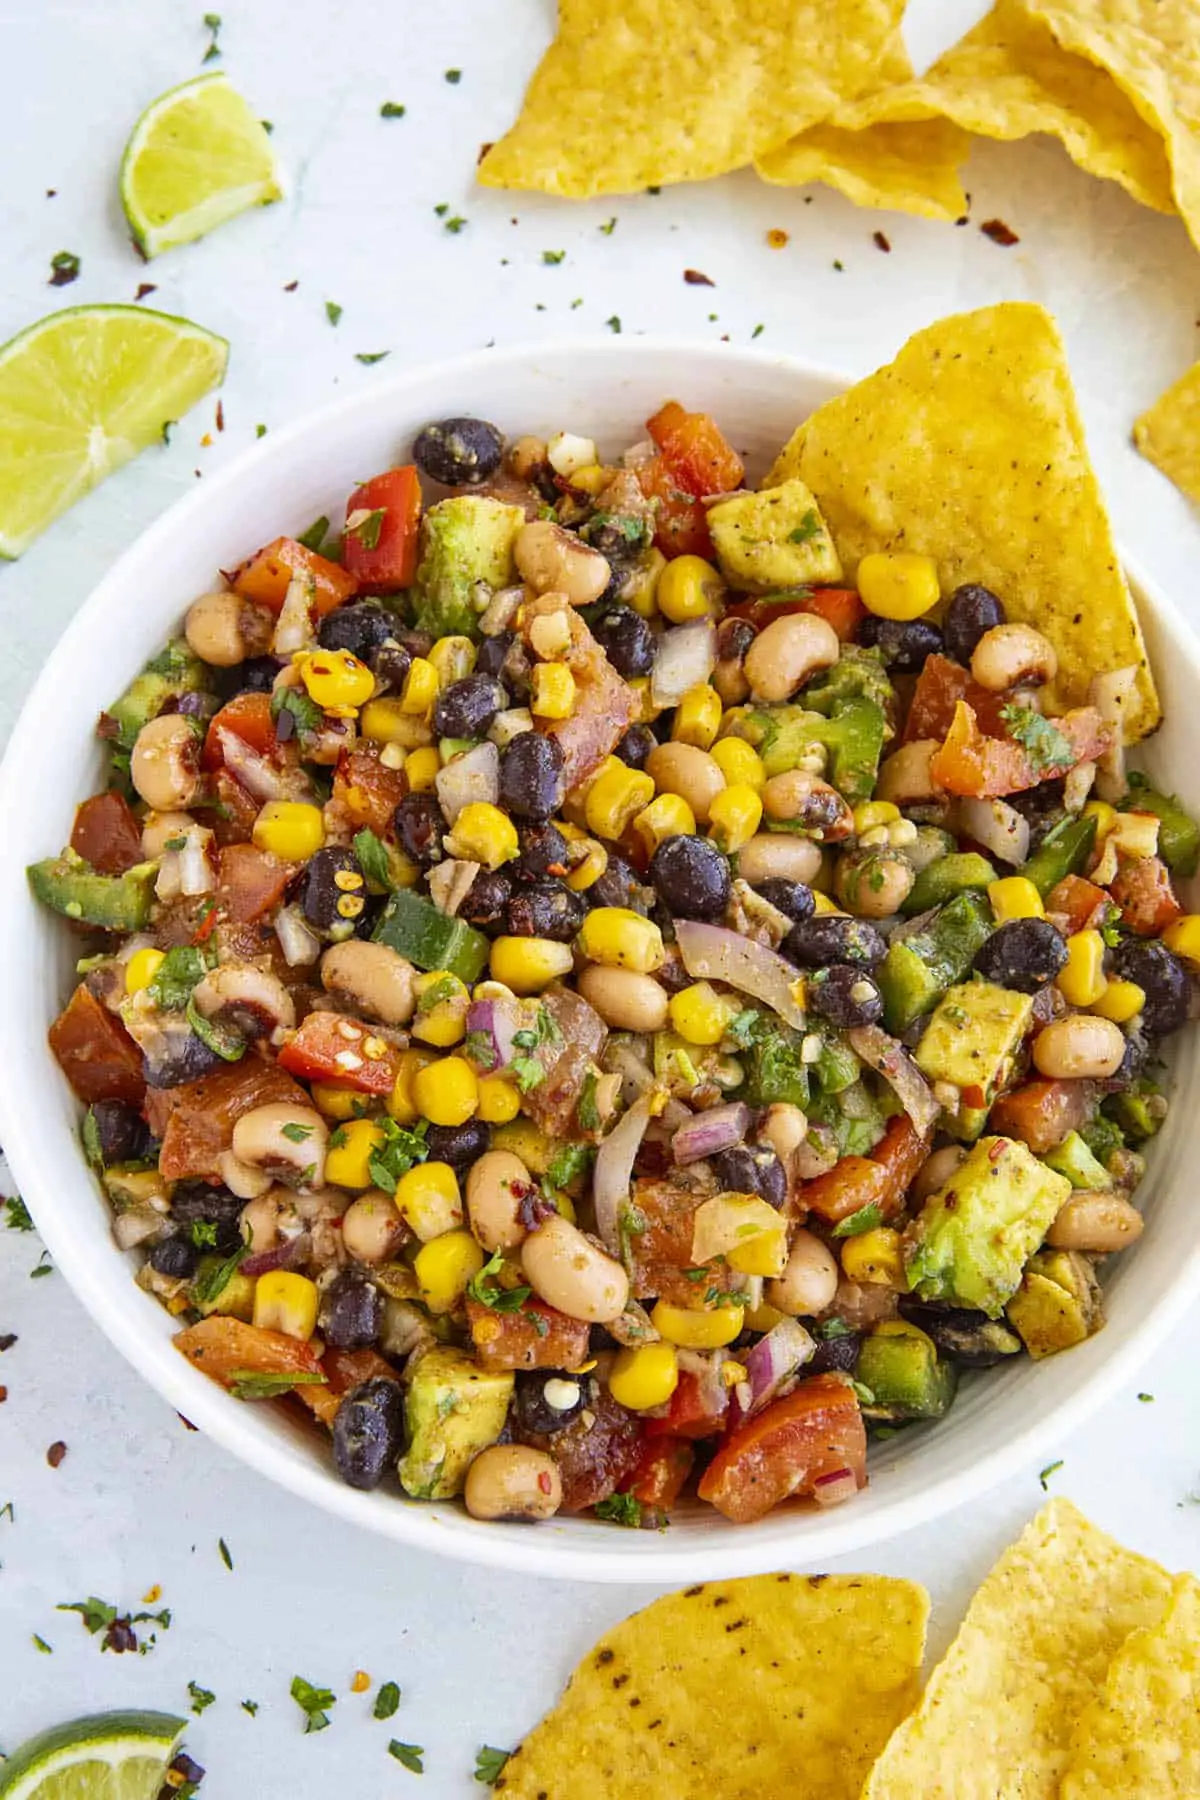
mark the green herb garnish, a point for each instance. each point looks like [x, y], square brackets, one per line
[64, 268]
[223, 1547]
[587, 1111]
[808, 529]
[333, 313]
[18, 1218]
[479, 1047]
[487, 1290]
[490, 1762]
[392, 109]
[386, 1700]
[408, 1754]
[554, 256]
[176, 975]
[296, 1133]
[371, 852]
[368, 528]
[201, 1697]
[309, 717]
[1049, 1470]
[210, 1284]
[400, 1149]
[370, 356]
[865, 1219]
[621, 1509]
[318, 531]
[212, 23]
[313, 1703]
[262, 1384]
[1045, 745]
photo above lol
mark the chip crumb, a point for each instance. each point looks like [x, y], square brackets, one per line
[152, 1594]
[999, 232]
[55, 1453]
[361, 1682]
[881, 242]
[777, 239]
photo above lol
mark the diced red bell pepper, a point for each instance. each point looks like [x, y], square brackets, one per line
[662, 1472]
[382, 551]
[266, 576]
[980, 767]
[1142, 889]
[250, 882]
[195, 1120]
[106, 834]
[596, 1453]
[1041, 1113]
[95, 1052]
[246, 716]
[1080, 902]
[680, 520]
[839, 607]
[784, 1450]
[881, 1179]
[535, 1336]
[697, 1408]
[222, 1347]
[330, 1047]
[940, 686]
[369, 791]
[699, 456]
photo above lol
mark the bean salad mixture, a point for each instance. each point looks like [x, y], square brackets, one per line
[593, 1008]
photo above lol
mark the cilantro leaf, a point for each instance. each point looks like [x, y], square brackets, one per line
[176, 975]
[621, 1509]
[261, 1384]
[586, 1109]
[489, 1764]
[568, 1161]
[487, 1290]
[209, 1284]
[554, 256]
[479, 1047]
[371, 852]
[308, 715]
[201, 1697]
[318, 531]
[64, 267]
[1050, 1469]
[808, 528]
[366, 526]
[18, 1214]
[408, 1754]
[397, 1154]
[1045, 745]
[313, 1703]
[386, 1700]
[97, 1615]
[370, 356]
[392, 109]
[333, 313]
[865, 1219]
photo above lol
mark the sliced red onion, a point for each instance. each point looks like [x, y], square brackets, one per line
[712, 952]
[300, 945]
[888, 1057]
[707, 1132]
[283, 1256]
[500, 1020]
[614, 1170]
[771, 1367]
[996, 827]
[832, 1489]
[294, 626]
[686, 657]
[475, 776]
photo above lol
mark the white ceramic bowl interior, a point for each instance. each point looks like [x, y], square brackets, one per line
[1001, 1420]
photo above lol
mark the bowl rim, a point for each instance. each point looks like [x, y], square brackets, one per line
[726, 1550]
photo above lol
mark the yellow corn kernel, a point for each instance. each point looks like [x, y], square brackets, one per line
[528, 964]
[898, 584]
[351, 1147]
[446, 1092]
[1105, 816]
[694, 1330]
[871, 814]
[1182, 938]
[668, 816]
[451, 658]
[763, 1318]
[1120, 1002]
[499, 1100]
[389, 722]
[1082, 980]
[402, 1105]
[615, 796]
[688, 588]
[482, 833]
[1015, 897]
[528, 1141]
[822, 903]
[334, 1102]
[740, 763]
[697, 717]
[875, 1257]
[141, 968]
[441, 1015]
[421, 767]
[289, 829]
[621, 939]
[286, 1302]
[420, 688]
[444, 1266]
[699, 1014]
[428, 1197]
[591, 478]
[552, 693]
[587, 862]
[337, 678]
[734, 815]
[644, 1376]
[641, 590]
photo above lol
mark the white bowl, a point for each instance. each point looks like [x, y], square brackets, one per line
[1002, 1420]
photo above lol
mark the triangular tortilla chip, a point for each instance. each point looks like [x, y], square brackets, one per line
[1168, 433]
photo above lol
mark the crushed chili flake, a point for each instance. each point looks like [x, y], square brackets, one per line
[880, 242]
[220, 416]
[206, 441]
[3, 1395]
[289, 287]
[776, 238]
[696, 278]
[144, 288]
[55, 1453]
[361, 1682]
[999, 232]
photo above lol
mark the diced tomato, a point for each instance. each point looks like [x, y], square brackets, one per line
[95, 1052]
[662, 1472]
[680, 520]
[223, 1347]
[1041, 1113]
[369, 791]
[196, 1119]
[697, 1408]
[596, 1453]
[881, 1179]
[536, 1336]
[247, 716]
[250, 882]
[940, 686]
[839, 607]
[343, 1370]
[1078, 901]
[604, 708]
[330, 1047]
[1143, 891]
[106, 834]
[700, 458]
[383, 556]
[980, 767]
[265, 576]
[786, 1448]
[232, 817]
[660, 1254]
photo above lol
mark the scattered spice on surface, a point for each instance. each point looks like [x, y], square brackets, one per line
[490, 1764]
[64, 268]
[839, 266]
[144, 288]
[119, 1635]
[408, 1754]
[392, 109]
[386, 1700]
[267, 126]
[223, 1547]
[55, 1453]
[201, 1697]
[260, 431]
[313, 1702]
[251, 1707]
[360, 1682]
[333, 311]
[168, 426]
[881, 242]
[51, 193]
[1050, 1469]
[7, 1340]
[758, 331]
[776, 239]
[454, 224]
[696, 278]
[999, 232]
[654, 190]
[482, 152]
[1146, 1399]
[370, 356]
[8, 1511]
[212, 23]
[152, 1595]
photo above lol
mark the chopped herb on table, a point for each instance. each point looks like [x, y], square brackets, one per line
[313, 1702]
[370, 356]
[386, 1700]
[609, 226]
[64, 268]
[1045, 745]
[400, 1149]
[454, 76]
[223, 1547]
[490, 1764]
[213, 24]
[201, 1697]
[392, 109]
[409, 1754]
[614, 322]
[44, 1267]
[39, 1643]
[251, 1707]
[17, 1214]
[333, 311]
[554, 256]
[1050, 1469]
[1145, 1398]
[621, 1509]
[119, 1636]
[315, 536]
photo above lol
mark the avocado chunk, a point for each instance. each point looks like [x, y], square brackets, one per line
[1138, 1112]
[112, 902]
[1178, 832]
[960, 873]
[969, 1042]
[920, 966]
[1058, 1303]
[454, 1409]
[465, 541]
[775, 538]
[1062, 852]
[174, 672]
[900, 1368]
[972, 1238]
[1073, 1159]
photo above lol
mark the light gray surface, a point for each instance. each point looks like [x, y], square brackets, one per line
[138, 1500]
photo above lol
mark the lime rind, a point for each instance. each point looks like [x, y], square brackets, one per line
[105, 1756]
[197, 157]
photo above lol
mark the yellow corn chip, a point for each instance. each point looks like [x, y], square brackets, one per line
[997, 1715]
[909, 168]
[1142, 1736]
[1168, 435]
[743, 1690]
[653, 91]
[969, 448]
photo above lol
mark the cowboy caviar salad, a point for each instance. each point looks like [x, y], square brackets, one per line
[589, 1003]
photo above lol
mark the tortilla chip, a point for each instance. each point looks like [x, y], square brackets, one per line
[1151, 49]
[969, 448]
[910, 168]
[1168, 435]
[781, 1684]
[1142, 1736]
[997, 1715]
[655, 91]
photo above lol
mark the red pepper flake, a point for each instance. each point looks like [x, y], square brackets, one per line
[3, 1395]
[144, 288]
[776, 239]
[220, 416]
[543, 1482]
[289, 287]
[880, 242]
[695, 278]
[999, 232]
[55, 1453]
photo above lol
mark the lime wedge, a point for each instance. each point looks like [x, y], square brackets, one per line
[198, 156]
[81, 392]
[109, 1756]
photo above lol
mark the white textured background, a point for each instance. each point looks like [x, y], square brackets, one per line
[138, 1500]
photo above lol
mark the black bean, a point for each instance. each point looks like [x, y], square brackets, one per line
[751, 1170]
[905, 643]
[794, 898]
[691, 878]
[458, 452]
[626, 640]
[196, 1203]
[492, 652]
[390, 665]
[845, 995]
[734, 638]
[352, 1312]
[485, 903]
[361, 626]
[176, 1256]
[459, 1145]
[534, 1413]
[180, 1058]
[1161, 977]
[119, 1132]
[965, 1336]
[531, 776]
[831, 938]
[1042, 806]
[545, 910]
[835, 1355]
[419, 827]
[257, 674]
[368, 1432]
[543, 853]
[321, 892]
[1133, 1061]
[467, 707]
[971, 611]
[618, 886]
[636, 746]
[1023, 954]
[619, 535]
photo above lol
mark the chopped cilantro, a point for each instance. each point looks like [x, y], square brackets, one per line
[741, 1027]
[1045, 745]
[829, 1329]
[260, 431]
[454, 224]
[201, 1697]
[446, 987]
[261, 1384]
[609, 226]
[97, 1615]
[223, 1547]
[392, 109]
[554, 256]
[371, 852]
[865, 1219]
[586, 1109]
[568, 1161]
[44, 1267]
[333, 313]
[487, 1290]
[808, 528]
[621, 1509]
[400, 1149]
[1049, 1470]
[529, 1073]
[1145, 1398]
[614, 322]
[296, 1133]
[370, 356]
[408, 1754]
[864, 1395]
[315, 536]
[489, 1764]
[454, 76]
[308, 715]
[313, 1703]
[64, 268]
[211, 1283]
[758, 331]
[39, 1643]
[18, 1214]
[366, 527]
[386, 1700]
[176, 975]
[203, 1234]
[213, 23]
[480, 1048]
[251, 1707]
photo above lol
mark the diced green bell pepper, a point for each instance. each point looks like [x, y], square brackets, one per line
[854, 737]
[1178, 833]
[1062, 852]
[918, 969]
[963, 872]
[904, 1375]
[415, 928]
[111, 902]
[775, 1069]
